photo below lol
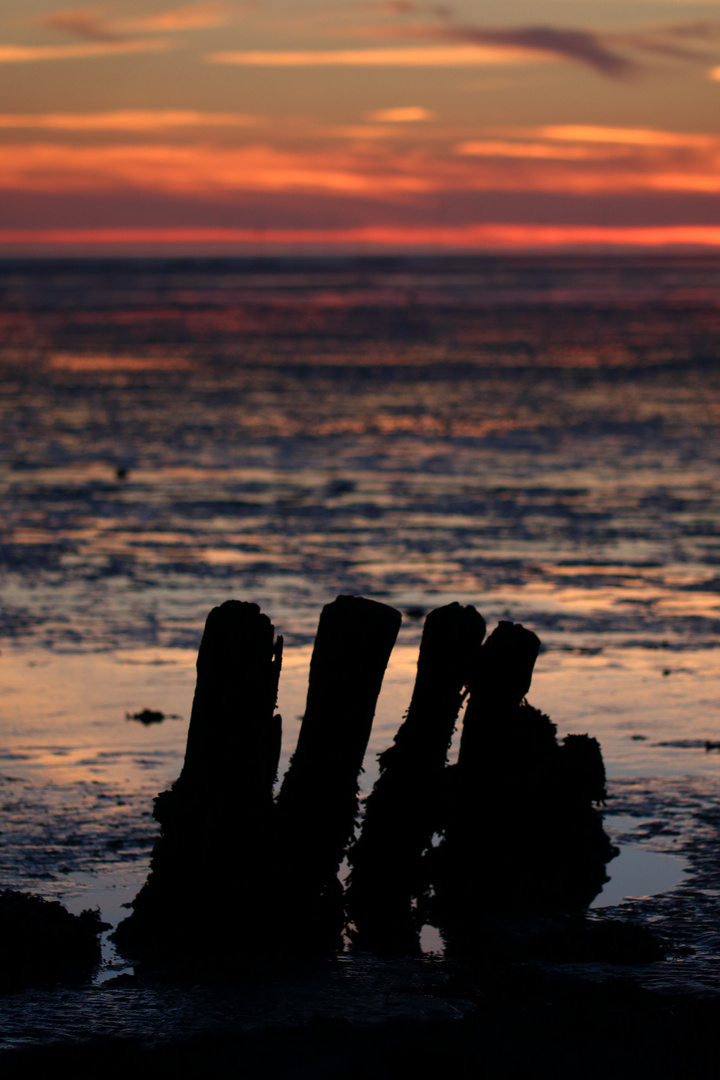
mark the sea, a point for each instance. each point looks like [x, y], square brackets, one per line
[533, 435]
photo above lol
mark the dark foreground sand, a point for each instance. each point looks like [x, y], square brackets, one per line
[558, 1013]
[522, 1023]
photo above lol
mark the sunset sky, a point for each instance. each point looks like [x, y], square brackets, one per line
[285, 125]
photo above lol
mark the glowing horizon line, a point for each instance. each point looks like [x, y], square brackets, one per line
[488, 235]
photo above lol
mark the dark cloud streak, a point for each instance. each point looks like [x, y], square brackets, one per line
[80, 24]
[409, 7]
[603, 52]
[581, 45]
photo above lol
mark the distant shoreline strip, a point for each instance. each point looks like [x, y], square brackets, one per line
[468, 236]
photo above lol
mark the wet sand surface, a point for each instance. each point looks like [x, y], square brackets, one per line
[535, 439]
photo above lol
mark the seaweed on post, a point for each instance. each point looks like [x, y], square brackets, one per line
[522, 836]
[401, 813]
[318, 802]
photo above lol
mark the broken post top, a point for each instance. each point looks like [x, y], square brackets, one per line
[233, 631]
[499, 683]
[448, 656]
[451, 639]
[238, 669]
[505, 665]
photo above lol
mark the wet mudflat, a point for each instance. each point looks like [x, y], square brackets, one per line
[357, 1007]
[535, 439]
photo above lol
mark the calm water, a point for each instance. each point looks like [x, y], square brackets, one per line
[535, 437]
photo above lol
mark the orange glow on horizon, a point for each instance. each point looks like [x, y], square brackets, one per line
[511, 237]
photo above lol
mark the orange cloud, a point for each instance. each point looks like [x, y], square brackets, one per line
[356, 132]
[478, 237]
[668, 181]
[401, 115]
[125, 120]
[714, 74]
[623, 136]
[420, 56]
[371, 168]
[23, 54]
[495, 148]
[200, 16]
[89, 24]
[202, 169]
[409, 7]
[625, 158]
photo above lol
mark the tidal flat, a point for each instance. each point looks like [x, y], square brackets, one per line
[536, 437]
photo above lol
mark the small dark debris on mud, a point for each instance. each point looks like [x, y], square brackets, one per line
[691, 744]
[150, 716]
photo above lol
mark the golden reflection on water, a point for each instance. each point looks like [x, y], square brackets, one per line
[65, 715]
[98, 362]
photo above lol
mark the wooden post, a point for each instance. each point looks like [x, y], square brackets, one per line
[522, 836]
[317, 804]
[401, 812]
[481, 863]
[207, 900]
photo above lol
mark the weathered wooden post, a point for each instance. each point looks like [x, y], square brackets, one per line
[401, 813]
[317, 804]
[521, 833]
[209, 895]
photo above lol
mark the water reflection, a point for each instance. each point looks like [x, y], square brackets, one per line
[512, 445]
[637, 872]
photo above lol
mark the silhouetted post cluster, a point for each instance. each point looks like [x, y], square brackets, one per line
[239, 877]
